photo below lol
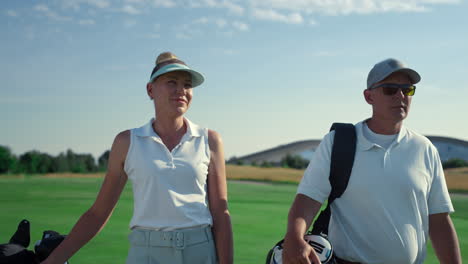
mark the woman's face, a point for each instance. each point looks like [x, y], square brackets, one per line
[172, 92]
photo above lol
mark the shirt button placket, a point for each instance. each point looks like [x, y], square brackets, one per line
[170, 163]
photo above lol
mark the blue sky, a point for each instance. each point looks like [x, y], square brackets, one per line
[73, 72]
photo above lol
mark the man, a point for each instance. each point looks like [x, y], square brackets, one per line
[396, 196]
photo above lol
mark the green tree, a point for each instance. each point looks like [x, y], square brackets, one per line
[103, 160]
[90, 163]
[80, 163]
[454, 163]
[45, 163]
[7, 160]
[266, 164]
[60, 163]
[296, 162]
[29, 162]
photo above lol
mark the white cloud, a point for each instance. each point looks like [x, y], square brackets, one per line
[240, 26]
[441, 1]
[324, 54]
[295, 12]
[44, 10]
[220, 22]
[272, 15]
[99, 3]
[228, 34]
[226, 4]
[76, 4]
[153, 36]
[208, 3]
[30, 33]
[233, 8]
[228, 52]
[86, 22]
[344, 7]
[201, 20]
[402, 7]
[164, 3]
[199, 3]
[11, 13]
[131, 10]
[183, 36]
[128, 23]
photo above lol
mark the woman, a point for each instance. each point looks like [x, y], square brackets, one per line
[178, 176]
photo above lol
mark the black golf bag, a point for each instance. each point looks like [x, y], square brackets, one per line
[16, 250]
[341, 164]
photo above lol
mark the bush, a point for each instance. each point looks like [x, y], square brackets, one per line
[240, 162]
[7, 160]
[454, 163]
[295, 162]
[266, 164]
[103, 160]
[35, 162]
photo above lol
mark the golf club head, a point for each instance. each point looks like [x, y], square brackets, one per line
[50, 240]
[322, 247]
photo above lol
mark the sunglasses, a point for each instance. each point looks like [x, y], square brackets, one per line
[392, 88]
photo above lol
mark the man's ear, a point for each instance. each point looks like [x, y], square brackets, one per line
[368, 96]
[149, 90]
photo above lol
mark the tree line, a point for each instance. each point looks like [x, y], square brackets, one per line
[298, 162]
[288, 161]
[35, 162]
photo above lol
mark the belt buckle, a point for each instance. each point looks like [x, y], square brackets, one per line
[179, 241]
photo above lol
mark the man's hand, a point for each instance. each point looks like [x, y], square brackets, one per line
[295, 248]
[298, 251]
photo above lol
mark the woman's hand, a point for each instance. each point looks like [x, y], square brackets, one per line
[94, 219]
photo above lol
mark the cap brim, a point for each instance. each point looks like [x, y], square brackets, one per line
[414, 76]
[197, 78]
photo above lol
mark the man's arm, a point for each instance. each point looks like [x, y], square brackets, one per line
[301, 214]
[444, 238]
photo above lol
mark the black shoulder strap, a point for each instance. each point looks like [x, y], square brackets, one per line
[341, 165]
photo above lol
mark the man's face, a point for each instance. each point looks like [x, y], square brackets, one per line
[390, 107]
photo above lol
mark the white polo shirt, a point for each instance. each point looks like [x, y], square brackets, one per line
[382, 217]
[169, 187]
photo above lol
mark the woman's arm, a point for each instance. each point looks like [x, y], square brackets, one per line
[217, 195]
[94, 219]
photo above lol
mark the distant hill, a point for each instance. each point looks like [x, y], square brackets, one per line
[448, 148]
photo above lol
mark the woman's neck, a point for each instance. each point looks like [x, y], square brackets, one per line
[169, 127]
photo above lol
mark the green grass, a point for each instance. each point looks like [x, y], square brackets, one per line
[259, 215]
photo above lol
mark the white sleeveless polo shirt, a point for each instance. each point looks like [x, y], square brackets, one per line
[169, 187]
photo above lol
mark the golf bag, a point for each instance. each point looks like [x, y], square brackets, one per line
[341, 165]
[16, 250]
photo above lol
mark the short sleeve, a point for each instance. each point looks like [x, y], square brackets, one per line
[315, 183]
[438, 198]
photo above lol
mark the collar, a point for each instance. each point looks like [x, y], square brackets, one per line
[193, 130]
[364, 144]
